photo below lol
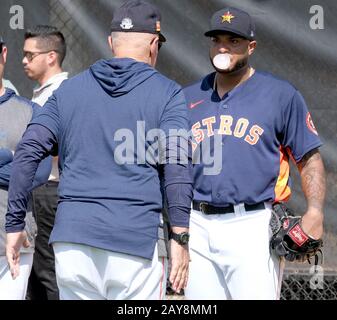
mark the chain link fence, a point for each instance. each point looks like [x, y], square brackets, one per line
[304, 286]
[85, 25]
[67, 17]
[296, 286]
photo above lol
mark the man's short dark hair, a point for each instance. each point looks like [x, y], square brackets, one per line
[50, 38]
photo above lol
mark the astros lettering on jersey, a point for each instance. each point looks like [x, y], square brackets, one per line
[261, 123]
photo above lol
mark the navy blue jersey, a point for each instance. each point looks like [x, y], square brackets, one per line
[260, 125]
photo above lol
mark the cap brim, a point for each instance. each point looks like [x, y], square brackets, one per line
[162, 38]
[214, 32]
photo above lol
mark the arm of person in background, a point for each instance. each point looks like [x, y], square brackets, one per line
[41, 176]
[6, 157]
[5, 174]
[313, 180]
[178, 184]
[37, 143]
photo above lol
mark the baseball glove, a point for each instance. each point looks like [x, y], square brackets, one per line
[288, 238]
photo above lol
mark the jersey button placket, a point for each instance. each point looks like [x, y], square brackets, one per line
[223, 105]
[224, 102]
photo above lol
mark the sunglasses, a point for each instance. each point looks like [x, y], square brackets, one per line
[1, 46]
[30, 56]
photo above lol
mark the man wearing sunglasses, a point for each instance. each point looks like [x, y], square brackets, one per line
[43, 54]
[15, 114]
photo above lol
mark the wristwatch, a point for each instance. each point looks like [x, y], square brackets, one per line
[181, 238]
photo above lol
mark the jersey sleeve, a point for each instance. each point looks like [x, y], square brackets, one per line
[177, 163]
[300, 135]
[175, 115]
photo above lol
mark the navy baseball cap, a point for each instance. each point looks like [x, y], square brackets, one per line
[137, 16]
[232, 20]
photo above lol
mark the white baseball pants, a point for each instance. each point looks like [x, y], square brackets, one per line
[15, 289]
[88, 273]
[230, 256]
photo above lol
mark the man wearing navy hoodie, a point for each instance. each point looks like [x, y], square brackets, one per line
[108, 125]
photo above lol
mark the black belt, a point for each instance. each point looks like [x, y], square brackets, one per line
[209, 209]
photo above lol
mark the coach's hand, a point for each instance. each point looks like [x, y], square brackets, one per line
[180, 259]
[13, 245]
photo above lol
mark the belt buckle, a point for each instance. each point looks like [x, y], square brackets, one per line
[201, 206]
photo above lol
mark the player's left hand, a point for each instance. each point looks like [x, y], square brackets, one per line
[13, 245]
[180, 259]
[312, 223]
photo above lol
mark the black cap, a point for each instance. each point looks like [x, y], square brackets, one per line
[137, 16]
[232, 20]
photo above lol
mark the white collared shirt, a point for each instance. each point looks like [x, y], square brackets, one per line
[41, 94]
[7, 84]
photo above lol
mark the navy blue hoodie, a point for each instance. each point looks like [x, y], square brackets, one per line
[104, 203]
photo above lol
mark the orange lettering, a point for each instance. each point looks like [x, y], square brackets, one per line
[208, 122]
[197, 132]
[225, 125]
[241, 127]
[254, 135]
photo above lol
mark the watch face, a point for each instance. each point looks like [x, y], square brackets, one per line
[184, 237]
[181, 238]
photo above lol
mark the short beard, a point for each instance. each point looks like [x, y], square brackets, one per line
[237, 67]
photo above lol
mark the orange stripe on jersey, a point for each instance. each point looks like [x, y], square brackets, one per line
[282, 190]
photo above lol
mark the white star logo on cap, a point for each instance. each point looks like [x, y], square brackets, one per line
[126, 24]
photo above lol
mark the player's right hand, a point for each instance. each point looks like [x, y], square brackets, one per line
[312, 223]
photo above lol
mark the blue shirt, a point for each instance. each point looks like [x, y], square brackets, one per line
[255, 129]
[108, 201]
